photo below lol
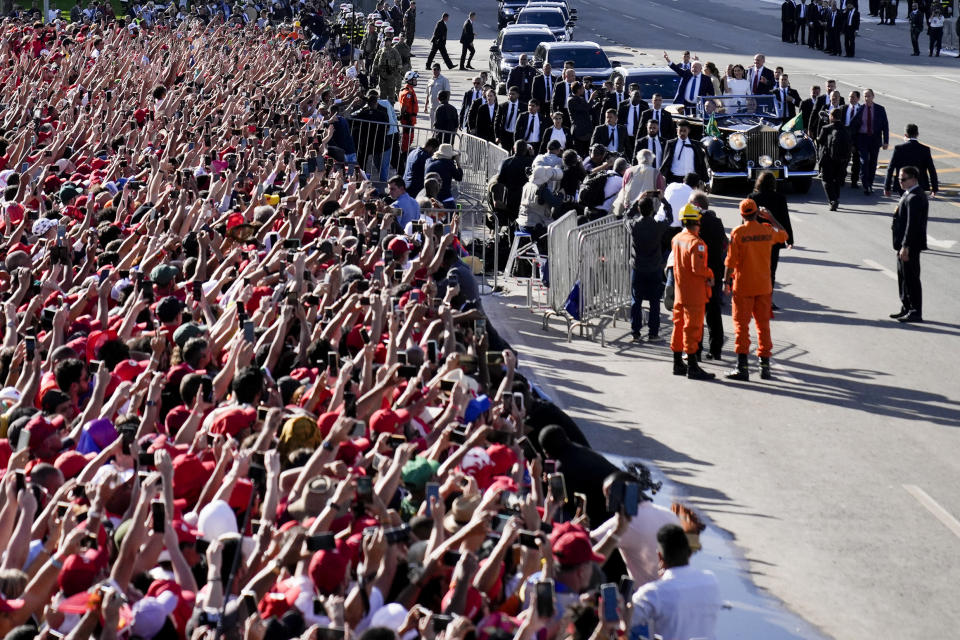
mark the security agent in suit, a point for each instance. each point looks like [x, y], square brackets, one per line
[446, 120]
[617, 96]
[470, 96]
[466, 42]
[809, 110]
[531, 124]
[851, 24]
[651, 141]
[800, 23]
[850, 111]
[813, 21]
[912, 154]
[630, 115]
[834, 29]
[693, 84]
[611, 135]
[675, 153]
[664, 120]
[786, 99]
[562, 92]
[483, 117]
[438, 42]
[521, 77]
[513, 175]
[788, 17]
[544, 85]
[873, 134]
[581, 123]
[909, 239]
[547, 135]
[507, 114]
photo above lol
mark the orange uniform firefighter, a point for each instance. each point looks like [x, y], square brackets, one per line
[748, 276]
[693, 280]
[409, 108]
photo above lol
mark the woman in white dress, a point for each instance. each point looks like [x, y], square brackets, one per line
[736, 86]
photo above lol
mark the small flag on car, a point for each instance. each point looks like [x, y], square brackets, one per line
[793, 124]
[712, 128]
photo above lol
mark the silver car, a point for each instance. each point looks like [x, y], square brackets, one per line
[514, 41]
[588, 58]
[551, 17]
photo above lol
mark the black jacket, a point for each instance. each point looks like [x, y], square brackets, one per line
[715, 237]
[539, 91]
[668, 130]
[623, 112]
[439, 33]
[481, 124]
[523, 126]
[522, 78]
[500, 122]
[468, 100]
[601, 135]
[647, 236]
[776, 203]
[790, 107]
[699, 163]
[466, 34]
[513, 174]
[545, 138]
[446, 119]
[581, 122]
[910, 221]
[912, 154]
[833, 147]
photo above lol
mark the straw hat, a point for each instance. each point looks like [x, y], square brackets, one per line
[447, 151]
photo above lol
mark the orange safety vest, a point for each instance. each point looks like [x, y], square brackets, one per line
[409, 108]
[690, 270]
[748, 257]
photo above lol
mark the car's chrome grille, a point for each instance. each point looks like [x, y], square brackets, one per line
[761, 143]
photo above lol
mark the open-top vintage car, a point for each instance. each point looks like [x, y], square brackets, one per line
[745, 138]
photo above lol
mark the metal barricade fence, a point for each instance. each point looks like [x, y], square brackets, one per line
[604, 273]
[561, 262]
[475, 162]
[476, 237]
[382, 147]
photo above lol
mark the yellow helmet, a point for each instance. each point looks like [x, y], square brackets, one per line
[689, 213]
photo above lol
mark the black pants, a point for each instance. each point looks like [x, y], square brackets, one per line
[800, 37]
[506, 140]
[463, 54]
[831, 185]
[774, 261]
[936, 39]
[786, 32]
[869, 149]
[854, 165]
[442, 48]
[714, 318]
[915, 41]
[850, 43]
[874, 7]
[908, 278]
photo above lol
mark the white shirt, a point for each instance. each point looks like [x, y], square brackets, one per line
[682, 158]
[513, 110]
[610, 191]
[653, 144]
[638, 544]
[612, 141]
[533, 127]
[677, 194]
[693, 87]
[633, 119]
[558, 134]
[851, 111]
[569, 93]
[682, 604]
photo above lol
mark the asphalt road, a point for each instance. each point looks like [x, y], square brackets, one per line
[837, 479]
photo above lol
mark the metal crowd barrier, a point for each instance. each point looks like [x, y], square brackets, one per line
[477, 239]
[597, 257]
[382, 148]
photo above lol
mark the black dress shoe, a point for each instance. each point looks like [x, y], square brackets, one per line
[866, 191]
[774, 307]
[911, 317]
[899, 314]
[833, 205]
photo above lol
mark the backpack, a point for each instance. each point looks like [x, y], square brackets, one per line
[591, 193]
[498, 195]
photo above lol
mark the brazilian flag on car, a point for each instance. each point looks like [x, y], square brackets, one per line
[712, 128]
[793, 124]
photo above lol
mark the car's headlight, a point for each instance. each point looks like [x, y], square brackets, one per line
[737, 141]
[788, 140]
[765, 161]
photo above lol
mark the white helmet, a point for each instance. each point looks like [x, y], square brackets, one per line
[411, 77]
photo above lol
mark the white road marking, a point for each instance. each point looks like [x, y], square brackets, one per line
[933, 507]
[882, 269]
[940, 244]
[487, 25]
[682, 35]
[720, 46]
[655, 26]
[947, 79]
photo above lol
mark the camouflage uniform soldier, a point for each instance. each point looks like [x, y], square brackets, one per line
[369, 43]
[410, 23]
[404, 50]
[388, 67]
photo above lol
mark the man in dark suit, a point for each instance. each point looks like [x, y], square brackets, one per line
[651, 141]
[531, 124]
[470, 96]
[507, 114]
[446, 119]
[786, 99]
[873, 133]
[809, 110]
[513, 175]
[850, 111]
[788, 17]
[851, 24]
[544, 85]
[581, 124]
[617, 96]
[630, 115]
[668, 130]
[563, 92]
[438, 42]
[834, 29]
[909, 239]
[483, 116]
[521, 77]
[611, 135]
[813, 21]
[800, 23]
[760, 78]
[682, 156]
[693, 84]
[912, 154]
[466, 42]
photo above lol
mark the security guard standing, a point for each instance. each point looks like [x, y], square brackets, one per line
[389, 67]
[409, 108]
[748, 277]
[400, 44]
[693, 280]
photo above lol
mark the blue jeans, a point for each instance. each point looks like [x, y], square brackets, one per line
[384, 161]
[647, 287]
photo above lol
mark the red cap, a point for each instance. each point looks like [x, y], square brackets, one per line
[234, 420]
[189, 476]
[128, 370]
[240, 496]
[78, 574]
[234, 220]
[474, 604]
[398, 246]
[326, 421]
[329, 567]
[387, 420]
[9, 606]
[70, 463]
[503, 459]
[185, 533]
[40, 429]
[572, 546]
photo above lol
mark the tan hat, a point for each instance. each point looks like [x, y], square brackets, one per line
[313, 499]
[461, 511]
[447, 151]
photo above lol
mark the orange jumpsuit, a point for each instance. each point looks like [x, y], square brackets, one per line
[409, 108]
[748, 260]
[690, 275]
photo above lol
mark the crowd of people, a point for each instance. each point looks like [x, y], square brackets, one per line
[246, 394]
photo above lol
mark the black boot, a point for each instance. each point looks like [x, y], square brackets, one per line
[679, 367]
[742, 372]
[694, 372]
[765, 369]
